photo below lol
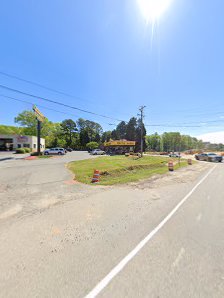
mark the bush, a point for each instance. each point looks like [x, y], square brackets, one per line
[92, 145]
[20, 151]
[36, 153]
[27, 150]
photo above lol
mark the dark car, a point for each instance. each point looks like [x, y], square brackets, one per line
[69, 149]
[212, 157]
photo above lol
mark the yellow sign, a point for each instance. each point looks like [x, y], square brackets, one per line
[119, 143]
[39, 115]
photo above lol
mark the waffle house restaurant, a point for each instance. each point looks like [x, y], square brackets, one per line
[119, 147]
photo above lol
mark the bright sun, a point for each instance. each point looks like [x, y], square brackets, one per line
[153, 9]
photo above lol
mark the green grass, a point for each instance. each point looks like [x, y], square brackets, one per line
[44, 156]
[120, 169]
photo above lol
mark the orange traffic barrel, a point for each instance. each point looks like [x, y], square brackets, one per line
[96, 176]
[170, 166]
[189, 161]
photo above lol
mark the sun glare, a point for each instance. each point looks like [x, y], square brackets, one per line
[153, 9]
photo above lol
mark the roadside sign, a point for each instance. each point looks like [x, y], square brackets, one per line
[119, 143]
[39, 115]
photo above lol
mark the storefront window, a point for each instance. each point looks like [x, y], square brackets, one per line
[26, 145]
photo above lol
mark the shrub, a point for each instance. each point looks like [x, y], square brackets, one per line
[20, 151]
[27, 150]
[36, 153]
[92, 145]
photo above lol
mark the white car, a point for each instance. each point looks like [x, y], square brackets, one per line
[175, 154]
[97, 152]
[53, 151]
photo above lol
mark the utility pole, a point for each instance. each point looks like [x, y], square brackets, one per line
[141, 109]
[40, 119]
[38, 136]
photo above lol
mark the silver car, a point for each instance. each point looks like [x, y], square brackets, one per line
[98, 152]
[53, 151]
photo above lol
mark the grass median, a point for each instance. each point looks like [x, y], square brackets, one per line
[121, 169]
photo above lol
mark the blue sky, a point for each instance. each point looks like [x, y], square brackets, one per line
[104, 54]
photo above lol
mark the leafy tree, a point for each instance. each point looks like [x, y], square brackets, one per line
[83, 138]
[28, 120]
[93, 129]
[106, 136]
[153, 142]
[49, 130]
[114, 135]
[121, 130]
[174, 141]
[131, 129]
[139, 135]
[92, 145]
[97, 138]
[68, 128]
[8, 130]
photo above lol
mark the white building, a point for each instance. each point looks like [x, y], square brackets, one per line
[12, 142]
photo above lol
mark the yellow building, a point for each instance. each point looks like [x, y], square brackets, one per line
[119, 146]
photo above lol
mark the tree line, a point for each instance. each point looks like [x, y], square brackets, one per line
[85, 134]
[174, 141]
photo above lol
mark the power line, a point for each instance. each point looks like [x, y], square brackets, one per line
[37, 104]
[57, 102]
[80, 98]
[165, 125]
[70, 114]
[43, 86]
[202, 123]
[93, 113]
[44, 107]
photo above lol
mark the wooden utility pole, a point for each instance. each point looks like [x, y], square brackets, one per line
[40, 119]
[141, 109]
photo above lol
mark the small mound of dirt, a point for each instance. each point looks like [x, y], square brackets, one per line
[104, 173]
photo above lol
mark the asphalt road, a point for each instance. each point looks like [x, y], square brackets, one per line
[28, 186]
[163, 238]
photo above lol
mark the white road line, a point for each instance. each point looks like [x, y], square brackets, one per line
[118, 268]
[179, 257]
[198, 218]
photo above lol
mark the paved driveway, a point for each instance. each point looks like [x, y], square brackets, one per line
[158, 238]
[27, 186]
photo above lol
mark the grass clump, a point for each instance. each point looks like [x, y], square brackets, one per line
[120, 169]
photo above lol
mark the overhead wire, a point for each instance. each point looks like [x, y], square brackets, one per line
[47, 88]
[182, 125]
[43, 107]
[111, 124]
[43, 86]
[16, 77]
[56, 102]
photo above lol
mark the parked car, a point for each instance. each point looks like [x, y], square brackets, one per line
[97, 152]
[174, 154]
[212, 157]
[53, 151]
[69, 149]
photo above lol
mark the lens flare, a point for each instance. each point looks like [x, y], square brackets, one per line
[153, 9]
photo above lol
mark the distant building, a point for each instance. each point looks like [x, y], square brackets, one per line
[13, 142]
[119, 146]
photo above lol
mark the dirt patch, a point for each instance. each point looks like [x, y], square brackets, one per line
[184, 175]
[131, 169]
